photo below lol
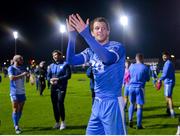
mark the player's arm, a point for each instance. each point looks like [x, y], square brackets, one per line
[71, 57]
[165, 72]
[15, 77]
[49, 73]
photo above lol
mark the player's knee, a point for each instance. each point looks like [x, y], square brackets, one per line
[15, 109]
[139, 106]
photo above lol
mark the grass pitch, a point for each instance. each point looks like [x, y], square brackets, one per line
[38, 119]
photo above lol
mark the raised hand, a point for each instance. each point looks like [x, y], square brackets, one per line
[77, 22]
[70, 28]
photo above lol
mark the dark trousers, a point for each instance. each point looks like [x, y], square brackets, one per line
[42, 86]
[57, 99]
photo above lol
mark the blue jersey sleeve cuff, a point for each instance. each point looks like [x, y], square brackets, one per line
[85, 32]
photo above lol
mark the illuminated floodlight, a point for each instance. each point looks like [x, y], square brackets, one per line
[62, 29]
[172, 56]
[15, 34]
[124, 20]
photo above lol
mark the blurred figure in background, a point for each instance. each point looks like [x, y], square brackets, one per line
[89, 73]
[126, 83]
[40, 74]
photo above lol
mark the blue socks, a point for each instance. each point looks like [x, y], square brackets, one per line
[16, 117]
[139, 116]
[19, 115]
[131, 111]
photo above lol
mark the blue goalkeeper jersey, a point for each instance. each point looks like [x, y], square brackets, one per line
[168, 73]
[139, 74]
[16, 86]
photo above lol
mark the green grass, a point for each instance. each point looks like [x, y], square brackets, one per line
[38, 116]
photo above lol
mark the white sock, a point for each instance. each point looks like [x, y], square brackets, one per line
[172, 112]
[178, 130]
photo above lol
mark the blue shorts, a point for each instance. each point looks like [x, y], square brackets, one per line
[168, 89]
[18, 98]
[136, 95]
[126, 90]
[107, 117]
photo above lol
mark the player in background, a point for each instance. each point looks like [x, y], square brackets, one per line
[126, 83]
[107, 59]
[58, 74]
[17, 74]
[154, 74]
[168, 76]
[90, 75]
[139, 74]
[41, 74]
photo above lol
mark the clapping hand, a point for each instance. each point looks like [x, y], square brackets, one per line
[75, 22]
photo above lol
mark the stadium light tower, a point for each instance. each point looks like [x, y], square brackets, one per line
[15, 34]
[62, 30]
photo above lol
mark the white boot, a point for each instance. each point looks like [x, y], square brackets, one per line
[178, 131]
[63, 125]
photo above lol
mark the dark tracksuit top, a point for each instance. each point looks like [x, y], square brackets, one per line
[62, 71]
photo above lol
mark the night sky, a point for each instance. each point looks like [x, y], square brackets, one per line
[154, 25]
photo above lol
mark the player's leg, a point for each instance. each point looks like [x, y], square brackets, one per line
[43, 85]
[61, 97]
[21, 105]
[126, 94]
[54, 100]
[15, 105]
[95, 126]
[113, 116]
[168, 94]
[132, 100]
[140, 103]
[20, 109]
[15, 115]
[37, 84]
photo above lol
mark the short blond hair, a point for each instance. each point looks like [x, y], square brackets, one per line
[17, 57]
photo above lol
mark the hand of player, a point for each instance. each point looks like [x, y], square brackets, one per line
[70, 28]
[54, 81]
[24, 73]
[158, 85]
[77, 22]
